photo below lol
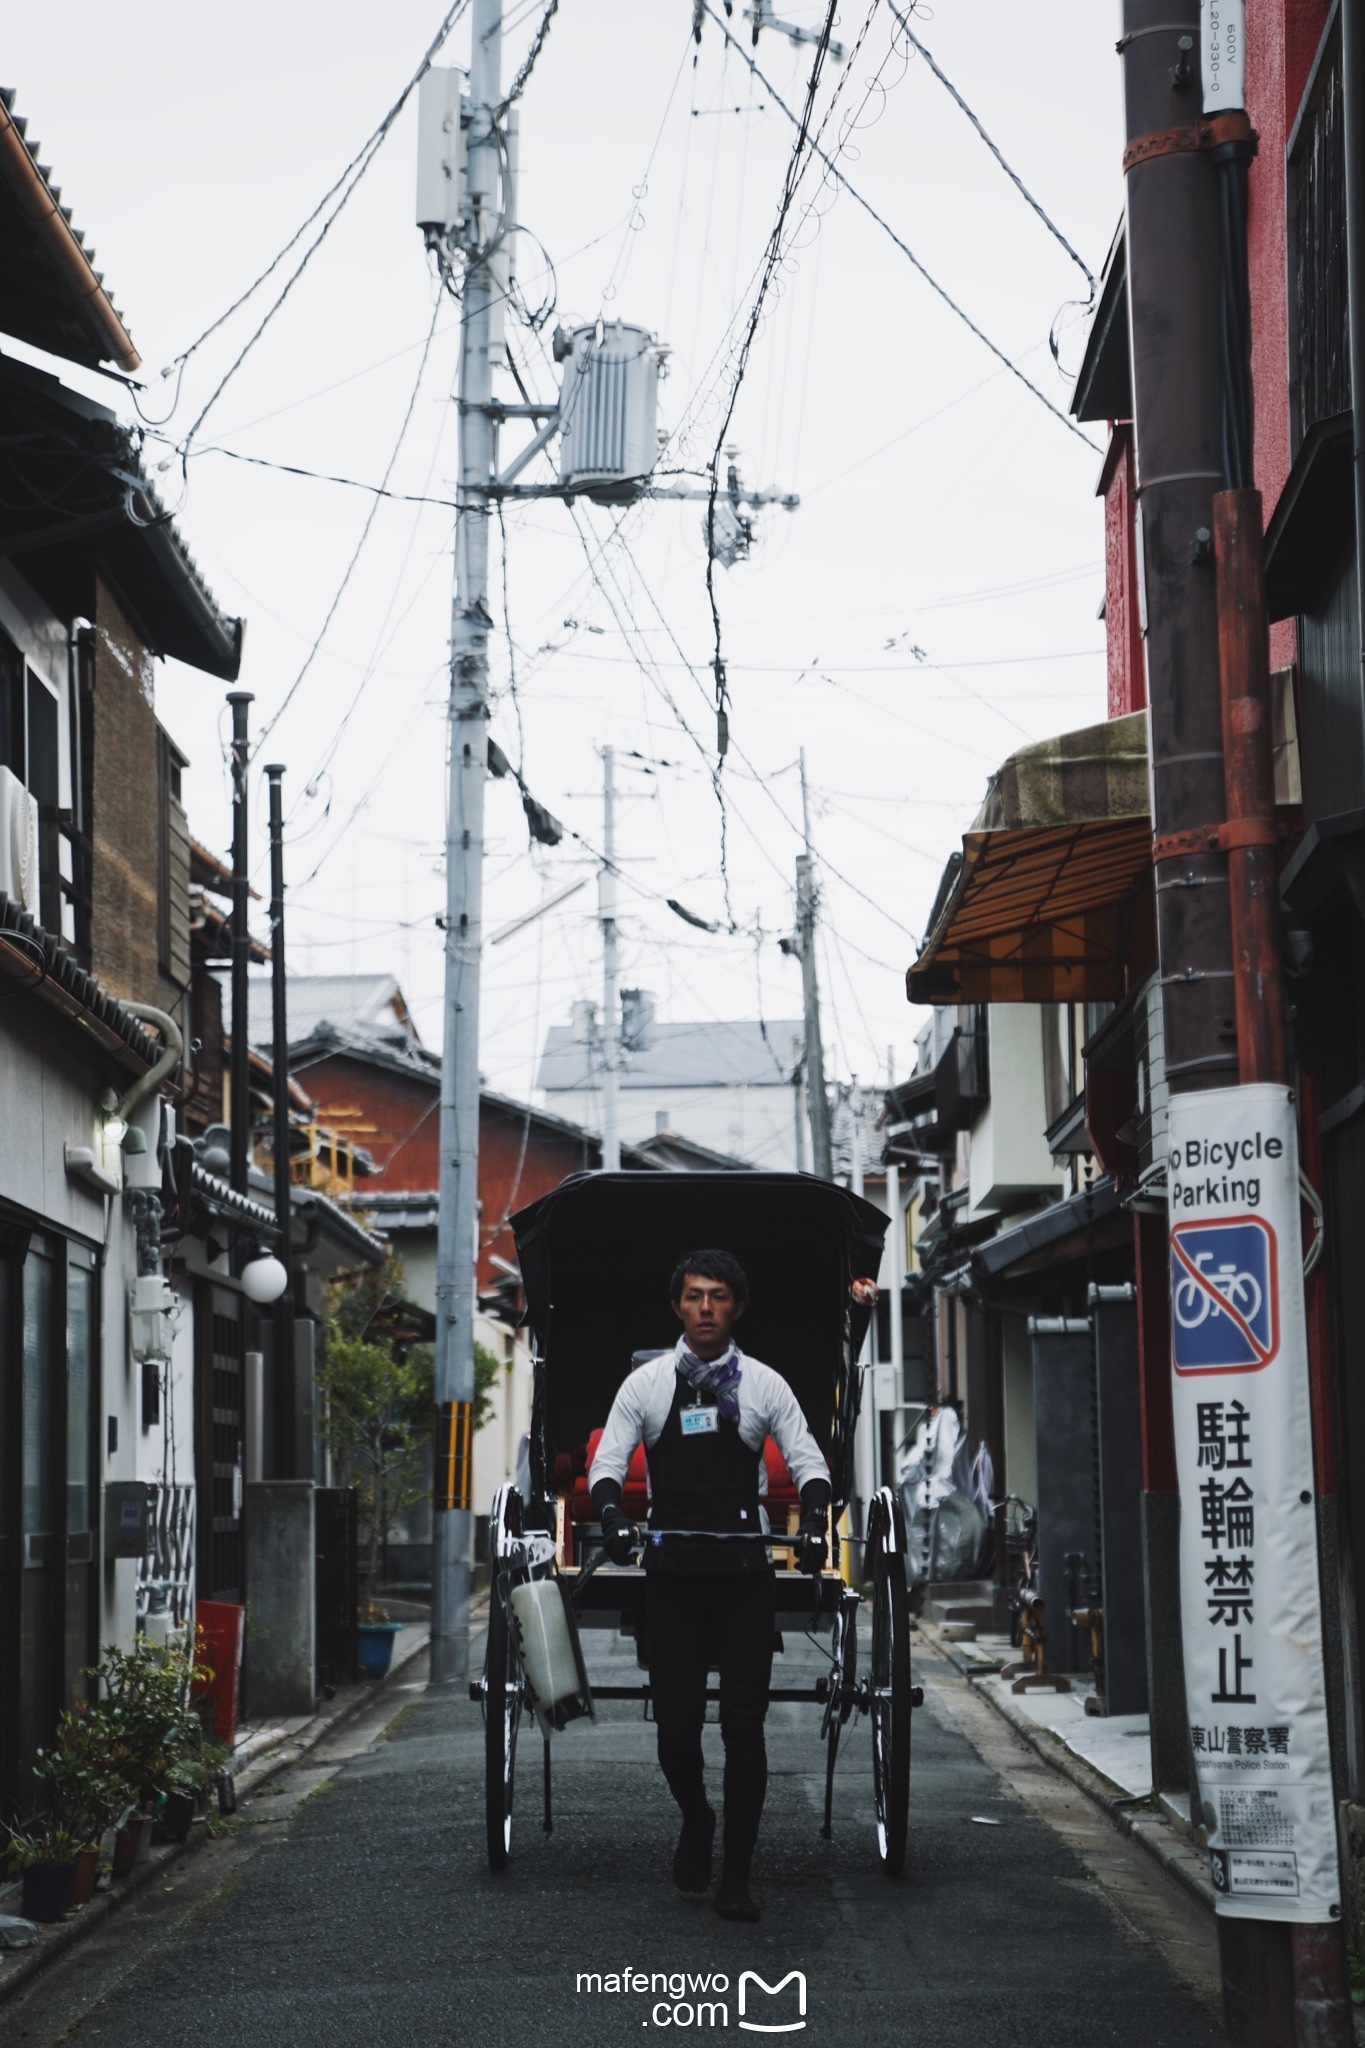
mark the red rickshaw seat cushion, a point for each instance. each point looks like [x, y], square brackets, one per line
[780, 1496]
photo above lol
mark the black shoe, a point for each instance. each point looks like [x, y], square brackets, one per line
[692, 1859]
[732, 1900]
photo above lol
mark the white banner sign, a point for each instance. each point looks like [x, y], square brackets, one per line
[1222, 42]
[1248, 1537]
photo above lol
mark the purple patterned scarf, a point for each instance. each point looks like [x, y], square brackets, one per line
[718, 1376]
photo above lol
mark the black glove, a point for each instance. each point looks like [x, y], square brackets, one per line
[810, 1544]
[810, 1536]
[618, 1534]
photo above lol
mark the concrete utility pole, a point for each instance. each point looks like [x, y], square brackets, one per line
[286, 1448]
[611, 1002]
[1186, 197]
[239, 1150]
[456, 1274]
[807, 908]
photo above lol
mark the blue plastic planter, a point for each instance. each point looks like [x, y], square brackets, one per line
[374, 1646]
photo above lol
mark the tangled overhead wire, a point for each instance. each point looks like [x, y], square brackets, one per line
[796, 165]
[344, 186]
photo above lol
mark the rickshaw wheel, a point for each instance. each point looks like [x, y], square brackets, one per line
[890, 1685]
[502, 1718]
[843, 1693]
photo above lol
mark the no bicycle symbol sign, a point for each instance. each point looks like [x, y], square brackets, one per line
[1225, 1310]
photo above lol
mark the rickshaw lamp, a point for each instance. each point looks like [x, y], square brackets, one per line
[264, 1279]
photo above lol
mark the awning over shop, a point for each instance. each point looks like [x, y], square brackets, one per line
[1038, 906]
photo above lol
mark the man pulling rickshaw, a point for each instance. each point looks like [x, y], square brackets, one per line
[704, 1412]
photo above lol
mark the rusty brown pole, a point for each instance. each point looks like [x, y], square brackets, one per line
[1249, 780]
[1317, 1953]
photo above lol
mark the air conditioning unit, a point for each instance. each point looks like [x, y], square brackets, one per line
[609, 440]
[442, 150]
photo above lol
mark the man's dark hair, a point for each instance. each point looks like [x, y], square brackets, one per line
[710, 1266]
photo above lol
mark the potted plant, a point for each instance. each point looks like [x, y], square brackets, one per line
[376, 1403]
[167, 1754]
[84, 1783]
[45, 1858]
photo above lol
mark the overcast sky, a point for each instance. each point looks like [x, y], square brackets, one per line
[930, 607]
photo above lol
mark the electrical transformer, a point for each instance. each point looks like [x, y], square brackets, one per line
[609, 439]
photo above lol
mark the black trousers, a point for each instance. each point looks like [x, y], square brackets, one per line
[694, 1622]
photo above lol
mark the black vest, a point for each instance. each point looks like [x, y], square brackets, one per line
[703, 1481]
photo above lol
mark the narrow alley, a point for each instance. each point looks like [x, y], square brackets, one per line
[364, 1909]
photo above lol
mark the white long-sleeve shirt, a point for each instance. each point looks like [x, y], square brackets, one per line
[767, 1407]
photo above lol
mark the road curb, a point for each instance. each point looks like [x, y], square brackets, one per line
[19, 1967]
[1177, 1856]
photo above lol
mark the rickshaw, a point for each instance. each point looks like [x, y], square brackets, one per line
[596, 1256]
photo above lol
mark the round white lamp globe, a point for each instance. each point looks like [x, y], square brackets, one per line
[264, 1280]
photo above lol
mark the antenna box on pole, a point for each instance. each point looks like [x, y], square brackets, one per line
[442, 149]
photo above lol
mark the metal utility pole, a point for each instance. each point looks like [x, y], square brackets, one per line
[895, 1239]
[807, 908]
[286, 1448]
[456, 1266]
[1216, 894]
[611, 1004]
[240, 1139]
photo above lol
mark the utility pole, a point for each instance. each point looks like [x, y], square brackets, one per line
[611, 1003]
[286, 1448]
[240, 1133]
[456, 1264]
[895, 1239]
[807, 907]
[1185, 168]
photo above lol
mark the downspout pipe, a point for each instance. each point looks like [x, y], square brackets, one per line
[1353, 109]
[173, 1047]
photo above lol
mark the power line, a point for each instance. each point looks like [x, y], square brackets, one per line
[345, 185]
[904, 246]
[994, 148]
[795, 169]
[320, 476]
[364, 536]
[760, 780]
[528, 64]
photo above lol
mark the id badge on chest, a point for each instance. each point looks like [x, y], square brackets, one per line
[698, 1421]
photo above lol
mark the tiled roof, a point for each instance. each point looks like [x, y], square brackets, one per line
[58, 980]
[369, 1005]
[54, 297]
[703, 1055]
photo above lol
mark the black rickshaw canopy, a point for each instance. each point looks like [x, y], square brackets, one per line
[597, 1255]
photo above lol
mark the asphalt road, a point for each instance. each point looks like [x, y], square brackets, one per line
[360, 1909]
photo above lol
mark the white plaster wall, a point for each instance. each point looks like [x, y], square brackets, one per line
[1021, 1458]
[1008, 1154]
[497, 1444]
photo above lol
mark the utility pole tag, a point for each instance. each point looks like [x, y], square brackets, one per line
[1250, 1603]
[1222, 45]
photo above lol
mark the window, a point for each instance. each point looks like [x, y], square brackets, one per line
[12, 722]
[49, 1394]
[30, 747]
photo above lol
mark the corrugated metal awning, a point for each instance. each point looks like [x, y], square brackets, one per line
[1039, 909]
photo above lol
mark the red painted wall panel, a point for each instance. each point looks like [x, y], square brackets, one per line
[396, 1119]
[1122, 617]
